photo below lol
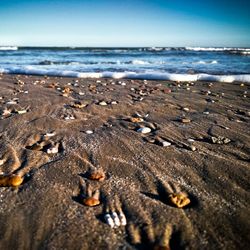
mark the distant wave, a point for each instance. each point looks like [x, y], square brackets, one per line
[129, 75]
[8, 48]
[205, 62]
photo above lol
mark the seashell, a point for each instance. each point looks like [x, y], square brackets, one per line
[186, 109]
[50, 134]
[114, 102]
[91, 202]
[179, 200]
[190, 140]
[21, 111]
[53, 150]
[109, 220]
[11, 102]
[81, 93]
[102, 103]
[136, 119]
[162, 142]
[97, 175]
[78, 105]
[2, 161]
[6, 112]
[192, 147]
[185, 120]
[116, 219]
[89, 132]
[11, 181]
[144, 130]
[122, 218]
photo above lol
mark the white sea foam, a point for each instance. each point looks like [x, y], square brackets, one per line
[140, 62]
[216, 49]
[205, 62]
[129, 75]
[8, 48]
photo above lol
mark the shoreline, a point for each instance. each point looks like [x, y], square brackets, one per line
[198, 144]
[244, 78]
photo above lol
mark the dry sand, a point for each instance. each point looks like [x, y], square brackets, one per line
[46, 211]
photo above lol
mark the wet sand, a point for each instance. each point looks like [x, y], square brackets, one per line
[57, 133]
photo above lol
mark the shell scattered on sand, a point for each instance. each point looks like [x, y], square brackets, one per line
[115, 219]
[102, 103]
[136, 119]
[144, 130]
[185, 120]
[11, 181]
[97, 175]
[179, 200]
[91, 202]
[89, 132]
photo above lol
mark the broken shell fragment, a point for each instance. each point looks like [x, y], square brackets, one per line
[91, 202]
[179, 200]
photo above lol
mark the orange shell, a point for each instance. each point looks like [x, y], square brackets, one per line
[97, 176]
[136, 119]
[180, 200]
[91, 202]
[11, 181]
[185, 120]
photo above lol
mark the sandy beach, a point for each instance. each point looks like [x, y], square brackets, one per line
[129, 148]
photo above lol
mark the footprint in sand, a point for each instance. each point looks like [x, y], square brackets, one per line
[113, 214]
[173, 196]
[45, 144]
[150, 237]
[87, 195]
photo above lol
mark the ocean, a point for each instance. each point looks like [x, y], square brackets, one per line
[180, 63]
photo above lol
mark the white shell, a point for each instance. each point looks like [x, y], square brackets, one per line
[22, 111]
[50, 134]
[122, 219]
[102, 103]
[89, 132]
[109, 220]
[116, 220]
[144, 130]
[166, 143]
[81, 93]
[53, 150]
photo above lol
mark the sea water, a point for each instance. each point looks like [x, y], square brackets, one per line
[181, 63]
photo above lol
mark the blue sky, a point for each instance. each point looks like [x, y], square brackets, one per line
[125, 23]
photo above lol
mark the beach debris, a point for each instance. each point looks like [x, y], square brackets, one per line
[162, 142]
[88, 132]
[93, 199]
[115, 218]
[78, 105]
[10, 180]
[185, 120]
[179, 200]
[192, 148]
[185, 109]
[81, 93]
[69, 117]
[102, 103]
[220, 140]
[12, 102]
[6, 112]
[96, 174]
[50, 134]
[53, 149]
[144, 130]
[136, 119]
